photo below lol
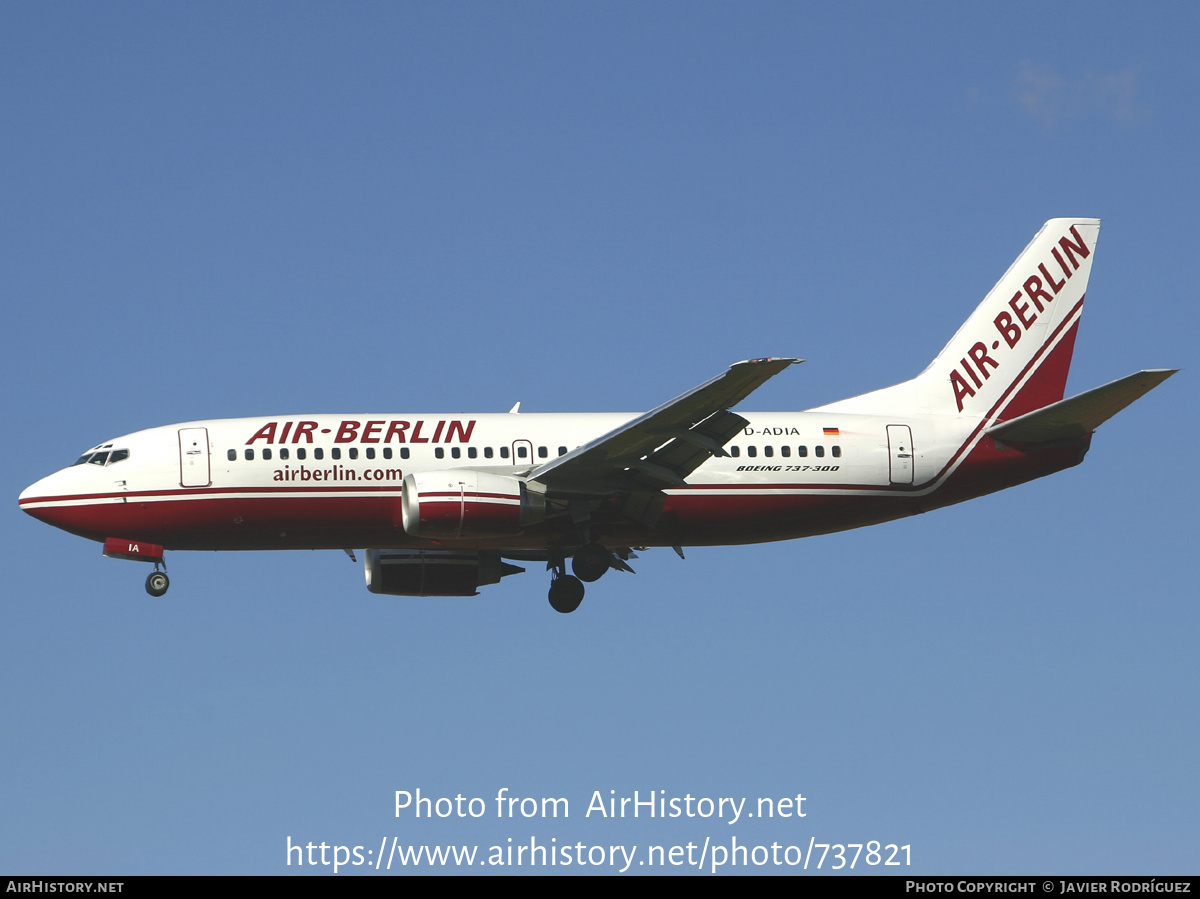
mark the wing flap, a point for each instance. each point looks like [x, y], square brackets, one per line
[662, 447]
[682, 455]
[1080, 414]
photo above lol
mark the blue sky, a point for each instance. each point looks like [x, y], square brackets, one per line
[219, 210]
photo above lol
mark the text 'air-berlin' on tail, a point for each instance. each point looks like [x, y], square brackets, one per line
[446, 503]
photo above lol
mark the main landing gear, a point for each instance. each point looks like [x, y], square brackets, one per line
[589, 564]
[566, 593]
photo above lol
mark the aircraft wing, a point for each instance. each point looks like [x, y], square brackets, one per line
[662, 447]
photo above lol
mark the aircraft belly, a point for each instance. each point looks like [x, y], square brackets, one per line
[203, 520]
[993, 466]
[702, 518]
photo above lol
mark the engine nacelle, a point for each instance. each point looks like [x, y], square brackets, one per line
[460, 502]
[433, 572]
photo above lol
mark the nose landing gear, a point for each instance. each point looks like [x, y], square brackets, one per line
[140, 551]
[157, 583]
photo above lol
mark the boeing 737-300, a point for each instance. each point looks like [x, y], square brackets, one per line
[444, 504]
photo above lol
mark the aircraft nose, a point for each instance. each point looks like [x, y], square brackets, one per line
[56, 500]
[72, 500]
[35, 495]
[34, 490]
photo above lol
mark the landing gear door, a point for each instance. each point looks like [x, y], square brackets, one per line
[193, 457]
[900, 453]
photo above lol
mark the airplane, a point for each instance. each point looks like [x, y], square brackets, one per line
[445, 504]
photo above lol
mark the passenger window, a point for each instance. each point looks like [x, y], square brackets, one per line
[543, 452]
[232, 455]
[785, 451]
[504, 452]
[335, 453]
[267, 453]
[318, 453]
[472, 452]
[440, 453]
[802, 451]
[752, 451]
[249, 455]
[735, 451]
[455, 452]
[301, 453]
[768, 451]
[387, 452]
[370, 452]
[283, 452]
[487, 452]
[820, 451]
[353, 452]
[562, 450]
[404, 452]
[521, 454]
[837, 452]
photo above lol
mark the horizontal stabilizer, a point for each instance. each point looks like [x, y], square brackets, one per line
[1080, 414]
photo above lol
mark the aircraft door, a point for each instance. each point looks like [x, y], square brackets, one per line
[193, 457]
[522, 452]
[900, 453]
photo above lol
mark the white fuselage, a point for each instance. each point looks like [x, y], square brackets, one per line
[324, 481]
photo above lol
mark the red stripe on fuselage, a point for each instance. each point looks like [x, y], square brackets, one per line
[214, 492]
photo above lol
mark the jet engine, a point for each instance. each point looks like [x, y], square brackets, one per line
[433, 572]
[466, 503]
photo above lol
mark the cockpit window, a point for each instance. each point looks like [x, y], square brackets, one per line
[103, 458]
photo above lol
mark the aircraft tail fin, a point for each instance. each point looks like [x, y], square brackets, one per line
[1080, 414]
[1013, 354]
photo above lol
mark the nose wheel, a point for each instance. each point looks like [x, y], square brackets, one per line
[157, 583]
